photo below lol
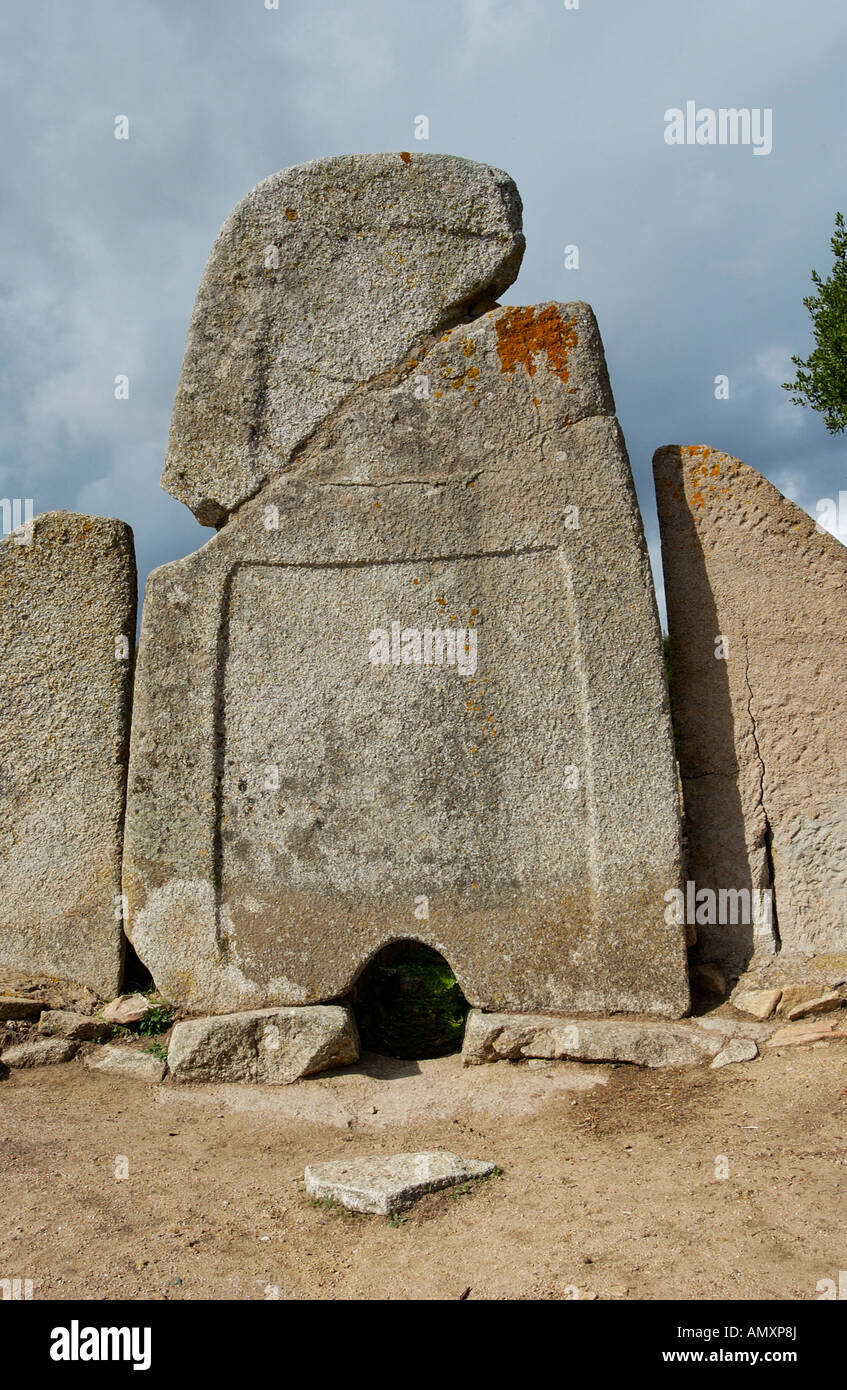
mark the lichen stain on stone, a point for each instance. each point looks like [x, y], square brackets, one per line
[291, 214]
[522, 336]
[405, 156]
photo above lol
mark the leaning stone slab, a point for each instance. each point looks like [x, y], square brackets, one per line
[271, 1046]
[325, 276]
[11, 1007]
[511, 1037]
[756, 596]
[62, 1023]
[385, 1184]
[824, 1004]
[41, 1052]
[126, 1061]
[67, 612]
[310, 780]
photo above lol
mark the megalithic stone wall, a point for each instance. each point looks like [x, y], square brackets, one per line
[756, 597]
[67, 615]
[414, 687]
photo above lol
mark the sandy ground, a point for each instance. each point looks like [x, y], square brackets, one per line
[609, 1182]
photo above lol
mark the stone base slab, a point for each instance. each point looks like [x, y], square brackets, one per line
[511, 1037]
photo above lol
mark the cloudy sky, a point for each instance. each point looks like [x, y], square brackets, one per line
[695, 258]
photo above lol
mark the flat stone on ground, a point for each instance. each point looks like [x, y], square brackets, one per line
[388, 1183]
[119, 1060]
[500, 1037]
[794, 995]
[736, 1050]
[41, 1052]
[63, 1023]
[795, 1034]
[270, 1046]
[11, 1008]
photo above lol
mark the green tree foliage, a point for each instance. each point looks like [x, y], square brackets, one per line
[821, 380]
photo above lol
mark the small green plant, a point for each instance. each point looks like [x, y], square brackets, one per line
[159, 1051]
[158, 1020]
[395, 1220]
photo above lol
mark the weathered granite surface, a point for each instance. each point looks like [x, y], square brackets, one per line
[387, 1183]
[274, 1046]
[495, 1037]
[294, 805]
[761, 733]
[67, 610]
[325, 276]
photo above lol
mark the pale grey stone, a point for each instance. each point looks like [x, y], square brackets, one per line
[323, 277]
[293, 806]
[119, 1060]
[271, 1046]
[510, 1037]
[12, 1007]
[61, 1023]
[736, 1050]
[761, 732]
[129, 1008]
[67, 612]
[387, 1183]
[40, 1052]
[738, 1028]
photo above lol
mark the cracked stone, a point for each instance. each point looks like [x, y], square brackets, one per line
[388, 1183]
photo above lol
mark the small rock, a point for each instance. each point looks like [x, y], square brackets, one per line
[14, 1007]
[792, 995]
[736, 1050]
[709, 978]
[759, 1003]
[129, 1008]
[271, 1046]
[126, 1061]
[389, 1183]
[41, 1052]
[63, 1023]
[823, 1005]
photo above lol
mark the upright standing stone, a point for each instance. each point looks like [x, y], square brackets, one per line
[67, 610]
[414, 688]
[756, 604]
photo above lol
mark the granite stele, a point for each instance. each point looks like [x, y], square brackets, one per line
[413, 688]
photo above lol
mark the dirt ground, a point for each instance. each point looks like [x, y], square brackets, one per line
[608, 1187]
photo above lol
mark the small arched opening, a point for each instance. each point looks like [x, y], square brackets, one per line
[408, 1003]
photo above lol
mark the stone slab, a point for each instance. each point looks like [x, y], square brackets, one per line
[40, 1052]
[67, 609]
[269, 1046]
[118, 1060]
[760, 732]
[12, 1007]
[511, 1037]
[325, 276]
[824, 1004]
[759, 1003]
[295, 804]
[385, 1184]
[128, 1008]
[62, 1023]
[737, 1027]
[736, 1050]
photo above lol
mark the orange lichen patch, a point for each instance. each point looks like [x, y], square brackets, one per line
[472, 372]
[416, 581]
[523, 335]
[535, 402]
[437, 395]
[405, 156]
[469, 348]
[291, 214]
